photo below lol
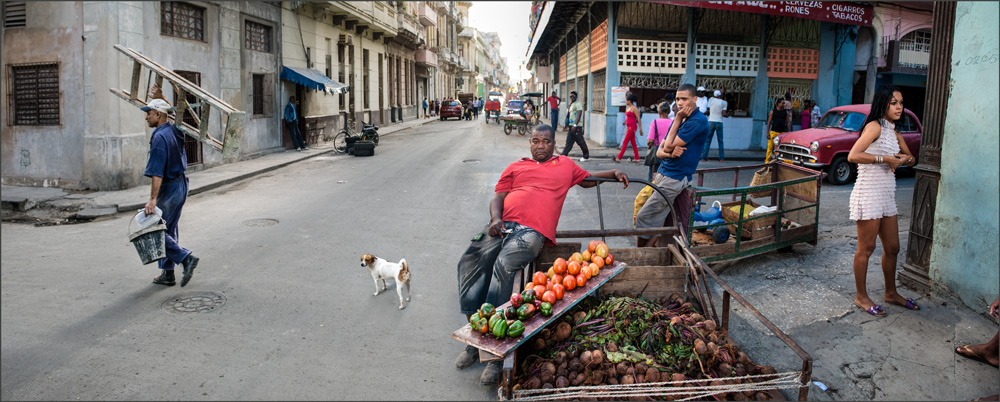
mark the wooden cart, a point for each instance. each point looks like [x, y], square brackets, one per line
[654, 272]
[792, 189]
[515, 122]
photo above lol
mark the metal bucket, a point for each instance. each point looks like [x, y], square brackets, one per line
[150, 243]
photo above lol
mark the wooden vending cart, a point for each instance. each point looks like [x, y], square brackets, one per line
[655, 273]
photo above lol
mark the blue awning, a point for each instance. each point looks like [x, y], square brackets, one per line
[314, 79]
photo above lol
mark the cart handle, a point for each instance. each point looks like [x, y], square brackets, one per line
[600, 205]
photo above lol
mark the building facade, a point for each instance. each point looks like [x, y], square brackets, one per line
[64, 128]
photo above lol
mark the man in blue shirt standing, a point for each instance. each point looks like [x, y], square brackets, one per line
[679, 152]
[292, 119]
[166, 165]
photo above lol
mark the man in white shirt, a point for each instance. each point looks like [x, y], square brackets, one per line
[717, 110]
[702, 102]
[814, 115]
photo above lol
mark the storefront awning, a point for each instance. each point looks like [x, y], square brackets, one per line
[313, 79]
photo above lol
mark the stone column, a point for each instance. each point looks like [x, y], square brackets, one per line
[612, 79]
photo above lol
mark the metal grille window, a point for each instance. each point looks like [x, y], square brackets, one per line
[14, 14]
[182, 20]
[257, 37]
[258, 94]
[917, 41]
[364, 80]
[600, 80]
[34, 94]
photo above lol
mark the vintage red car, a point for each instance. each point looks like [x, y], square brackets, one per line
[451, 108]
[825, 147]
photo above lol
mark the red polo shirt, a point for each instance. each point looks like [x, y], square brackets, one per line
[536, 191]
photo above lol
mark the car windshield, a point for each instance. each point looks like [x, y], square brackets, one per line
[453, 103]
[850, 121]
[514, 104]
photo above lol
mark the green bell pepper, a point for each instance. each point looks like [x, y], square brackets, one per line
[545, 309]
[515, 329]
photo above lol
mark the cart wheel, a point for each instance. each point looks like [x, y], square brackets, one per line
[507, 129]
[522, 129]
[720, 234]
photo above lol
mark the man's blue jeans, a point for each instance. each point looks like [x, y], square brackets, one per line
[486, 271]
[173, 194]
[713, 127]
[555, 117]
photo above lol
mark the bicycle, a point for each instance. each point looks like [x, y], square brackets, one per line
[345, 139]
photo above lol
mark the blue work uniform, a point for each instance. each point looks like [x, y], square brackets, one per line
[168, 160]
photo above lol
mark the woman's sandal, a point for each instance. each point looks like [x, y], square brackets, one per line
[966, 352]
[875, 310]
[909, 305]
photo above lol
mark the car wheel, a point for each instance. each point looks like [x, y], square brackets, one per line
[841, 171]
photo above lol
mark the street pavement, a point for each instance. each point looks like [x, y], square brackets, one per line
[280, 236]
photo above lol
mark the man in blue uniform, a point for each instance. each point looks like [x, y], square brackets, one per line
[166, 165]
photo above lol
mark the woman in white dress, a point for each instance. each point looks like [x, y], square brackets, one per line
[878, 152]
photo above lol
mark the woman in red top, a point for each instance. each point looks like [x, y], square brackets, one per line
[631, 124]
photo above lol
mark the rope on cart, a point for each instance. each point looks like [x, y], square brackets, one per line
[787, 380]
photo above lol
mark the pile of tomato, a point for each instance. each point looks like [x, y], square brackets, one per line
[542, 293]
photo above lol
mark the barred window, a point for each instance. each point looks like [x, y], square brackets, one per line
[34, 94]
[258, 94]
[600, 80]
[182, 20]
[257, 37]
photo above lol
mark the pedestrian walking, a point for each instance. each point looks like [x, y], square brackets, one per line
[524, 214]
[631, 125]
[878, 152]
[716, 111]
[658, 130]
[779, 120]
[292, 120]
[814, 115]
[168, 191]
[475, 108]
[575, 127]
[554, 102]
[806, 109]
[425, 107]
[679, 152]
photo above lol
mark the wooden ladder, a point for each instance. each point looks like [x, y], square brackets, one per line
[233, 119]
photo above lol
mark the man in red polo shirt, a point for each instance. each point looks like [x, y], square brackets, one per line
[524, 213]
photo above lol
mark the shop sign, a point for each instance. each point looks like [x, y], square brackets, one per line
[829, 11]
[618, 96]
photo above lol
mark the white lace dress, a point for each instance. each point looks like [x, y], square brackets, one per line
[874, 194]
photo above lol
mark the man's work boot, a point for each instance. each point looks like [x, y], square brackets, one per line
[467, 357]
[190, 263]
[165, 278]
[491, 374]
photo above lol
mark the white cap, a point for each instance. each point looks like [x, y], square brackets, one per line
[701, 88]
[718, 93]
[158, 105]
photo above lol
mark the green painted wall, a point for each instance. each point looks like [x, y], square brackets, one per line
[964, 258]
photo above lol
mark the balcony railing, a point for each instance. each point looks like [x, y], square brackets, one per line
[426, 13]
[427, 57]
[381, 15]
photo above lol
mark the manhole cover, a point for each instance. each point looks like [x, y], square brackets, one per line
[198, 302]
[471, 161]
[260, 222]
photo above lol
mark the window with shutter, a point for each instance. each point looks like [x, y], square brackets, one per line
[34, 94]
[258, 94]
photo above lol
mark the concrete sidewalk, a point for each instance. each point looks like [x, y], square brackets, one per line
[54, 204]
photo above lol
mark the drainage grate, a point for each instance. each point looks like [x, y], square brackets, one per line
[260, 222]
[197, 302]
[471, 161]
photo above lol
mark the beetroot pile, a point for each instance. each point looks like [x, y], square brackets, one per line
[626, 340]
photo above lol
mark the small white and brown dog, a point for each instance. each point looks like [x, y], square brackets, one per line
[382, 270]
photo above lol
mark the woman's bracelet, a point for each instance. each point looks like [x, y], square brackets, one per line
[878, 158]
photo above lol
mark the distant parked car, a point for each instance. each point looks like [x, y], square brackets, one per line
[825, 147]
[451, 108]
[514, 106]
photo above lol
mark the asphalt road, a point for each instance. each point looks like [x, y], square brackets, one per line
[293, 313]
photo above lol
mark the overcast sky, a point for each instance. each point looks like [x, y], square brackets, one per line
[509, 19]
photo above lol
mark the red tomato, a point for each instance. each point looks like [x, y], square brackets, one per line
[539, 278]
[548, 286]
[530, 285]
[598, 260]
[586, 256]
[539, 289]
[585, 271]
[573, 268]
[560, 266]
[610, 259]
[549, 297]
[560, 290]
[594, 270]
[569, 282]
[581, 280]
[592, 246]
[557, 279]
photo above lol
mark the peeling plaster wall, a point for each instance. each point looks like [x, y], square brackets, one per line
[263, 131]
[46, 155]
[964, 258]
